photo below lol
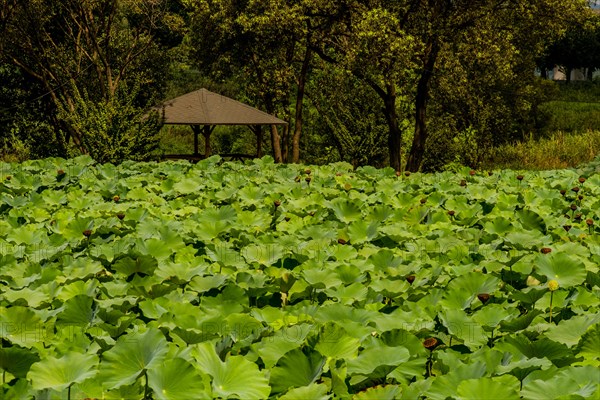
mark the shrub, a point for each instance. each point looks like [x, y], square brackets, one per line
[112, 130]
[558, 151]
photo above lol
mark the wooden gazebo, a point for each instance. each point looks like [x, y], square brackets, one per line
[202, 110]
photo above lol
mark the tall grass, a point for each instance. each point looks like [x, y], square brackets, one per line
[570, 116]
[560, 150]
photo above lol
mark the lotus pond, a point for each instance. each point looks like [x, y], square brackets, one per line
[257, 280]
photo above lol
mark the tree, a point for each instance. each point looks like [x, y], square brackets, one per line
[578, 48]
[526, 25]
[267, 47]
[368, 39]
[92, 50]
[347, 118]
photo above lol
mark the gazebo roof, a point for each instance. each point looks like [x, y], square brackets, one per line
[203, 107]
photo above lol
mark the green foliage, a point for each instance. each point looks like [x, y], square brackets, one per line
[112, 131]
[578, 48]
[347, 118]
[570, 117]
[560, 150]
[65, 51]
[573, 108]
[194, 282]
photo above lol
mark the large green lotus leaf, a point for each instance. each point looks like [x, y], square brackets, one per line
[251, 194]
[26, 235]
[375, 356]
[384, 259]
[498, 226]
[521, 367]
[33, 297]
[520, 344]
[335, 343]
[570, 331]
[321, 278]
[78, 288]
[242, 328]
[74, 228]
[81, 267]
[60, 373]
[587, 378]
[77, 311]
[589, 347]
[314, 391]
[187, 186]
[17, 361]
[176, 379]
[144, 264]
[350, 294]
[362, 231]
[267, 254]
[346, 211]
[387, 392]
[350, 274]
[447, 385]
[566, 270]
[527, 240]
[222, 253]
[181, 271]
[530, 220]
[22, 326]
[208, 230]
[221, 214]
[271, 349]
[21, 389]
[462, 290]
[529, 295]
[155, 308]
[463, 327]
[133, 354]
[318, 232]
[502, 387]
[296, 369]
[492, 314]
[558, 387]
[154, 248]
[234, 378]
[519, 323]
[379, 213]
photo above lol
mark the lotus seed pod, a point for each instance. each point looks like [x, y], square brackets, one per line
[430, 343]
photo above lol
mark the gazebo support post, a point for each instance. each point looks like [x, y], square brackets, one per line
[196, 130]
[257, 129]
[206, 133]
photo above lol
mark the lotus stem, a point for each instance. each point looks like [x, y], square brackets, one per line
[146, 386]
[429, 364]
[552, 286]
[551, 295]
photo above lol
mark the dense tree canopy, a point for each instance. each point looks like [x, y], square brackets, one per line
[89, 55]
[432, 73]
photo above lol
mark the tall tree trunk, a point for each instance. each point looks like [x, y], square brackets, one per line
[299, 104]
[275, 138]
[394, 134]
[285, 148]
[276, 144]
[417, 151]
